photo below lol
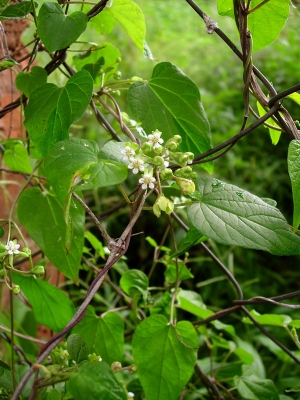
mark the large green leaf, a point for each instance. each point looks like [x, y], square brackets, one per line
[77, 348]
[95, 381]
[51, 306]
[73, 164]
[43, 217]
[17, 11]
[58, 30]
[28, 82]
[265, 23]
[232, 216]
[131, 17]
[171, 103]
[294, 171]
[105, 336]
[17, 159]
[51, 110]
[165, 356]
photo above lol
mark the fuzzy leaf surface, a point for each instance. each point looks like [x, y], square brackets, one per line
[232, 216]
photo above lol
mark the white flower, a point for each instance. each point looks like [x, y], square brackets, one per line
[128, 153]
[166, 164]
[136, 164]
[155, 139]
[146, 181]
[12, 248]
[130, 395]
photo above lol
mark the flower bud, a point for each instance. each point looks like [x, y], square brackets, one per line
[136, 78]
[118, 75]
[27, 251]
[116, 366]
[166, 174]
[171, 145]
[177, 139]
[147, 148]
[186, 185]
[3, 272]
[94, 357]
[16, 289]
[158, 161]
[162, 203]
[38, 270]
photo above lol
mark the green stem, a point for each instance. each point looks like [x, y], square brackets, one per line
[258, 6]
[13, 370]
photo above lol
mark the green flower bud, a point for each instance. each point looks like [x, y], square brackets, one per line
[183, 158]
[116, 92]
[171, 145]
[177, 139]
[186, 185]
[116, 366]
[38, 270]
[119, 59]
[190, 157]
[162, 203]
[94, 357]
[158, 161]
[27, 251]
[184, 172]
[16, 289]
[166, 174]
[193, 175]
[3, 272]
[147, 148]
[137, 79]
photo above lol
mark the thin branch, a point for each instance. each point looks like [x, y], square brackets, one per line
[284, 94]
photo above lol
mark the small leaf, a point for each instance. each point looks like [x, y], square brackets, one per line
[95, 381]
[53, 394]
[51, 306]
[192, 238]
[51, 110]
[134, 280]
[17, 11]
[171, 103]
[57, 30]
[295, 97]
[269, 319]
[43, 217]
[183, 271]
[252, 387]
[274, 134]
[77, 348]
[165, 356]
[192, 302]
[105, 336]
[232, 216]
[7, 64]
[132, 20]
[28, 82]
[294, 172]
[17, 159]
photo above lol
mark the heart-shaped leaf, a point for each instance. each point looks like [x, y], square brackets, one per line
[104, 335]
[233, 216]
[17, 159]
[51, 306]
[165, 356]
[51, 110]
[28, 82]
[171, 103]
[43, 217]
[57, 30]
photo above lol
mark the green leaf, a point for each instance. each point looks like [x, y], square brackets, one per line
[107, 52]
[103, 22]
[7, 64]
[244, 356]
[171, 103]
[28, 82]
[51, 110]
[67, 163]
[77, 348]
[94, 69]
[274, 134]
[265, 23]
[3, 4]
[95, 242]
[131, 17]
[295, 97]
[112, 151]
[191, 239]
[6, 380]
[269, 319]
[53, 394]
[51, 306]
[252, 387]
[105, 336]
[95, 381]
[17, 11]
[171, 271]
[1, 232]
[134, 280]
[294, 172]
[165, 356]
[231, 216]
[43, 217]
[17, 159]
[192, 302]
[57, 30]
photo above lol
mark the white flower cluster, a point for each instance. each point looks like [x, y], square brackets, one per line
[12, 248]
